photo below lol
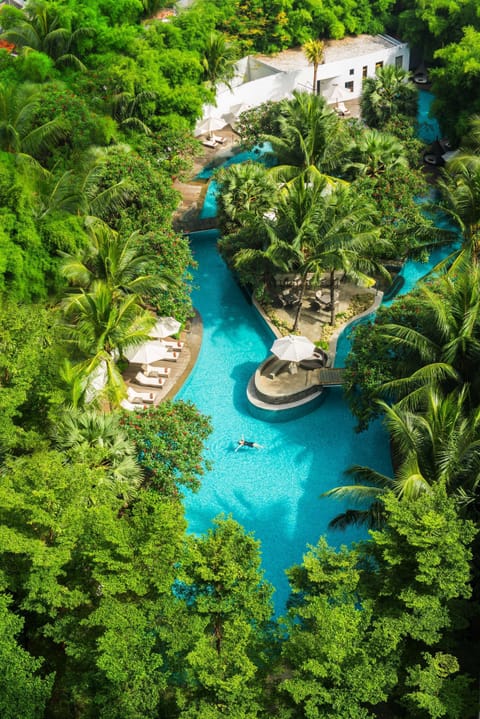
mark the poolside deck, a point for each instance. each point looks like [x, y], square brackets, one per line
[179, 370]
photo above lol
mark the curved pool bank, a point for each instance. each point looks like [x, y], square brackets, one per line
[276, 395]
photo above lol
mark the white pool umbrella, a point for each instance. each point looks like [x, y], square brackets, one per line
[337, 95]
[147, 353]
[293, 348]
[165, 326]
[210, 124]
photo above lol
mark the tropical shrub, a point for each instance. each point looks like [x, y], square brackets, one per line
[169, 439]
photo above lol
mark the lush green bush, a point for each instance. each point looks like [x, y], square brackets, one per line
[169, 439]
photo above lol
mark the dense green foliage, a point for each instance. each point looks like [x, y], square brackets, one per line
[108, 608]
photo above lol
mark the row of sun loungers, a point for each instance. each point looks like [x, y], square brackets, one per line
[152, 376]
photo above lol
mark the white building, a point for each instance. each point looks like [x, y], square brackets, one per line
[346, 63]
[19, 4]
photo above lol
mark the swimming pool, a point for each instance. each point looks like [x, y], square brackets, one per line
[273, 492]
[428, 128]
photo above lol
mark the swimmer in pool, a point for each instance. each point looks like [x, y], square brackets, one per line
[245, 443]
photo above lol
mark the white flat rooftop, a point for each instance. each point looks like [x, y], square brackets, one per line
[335, 50]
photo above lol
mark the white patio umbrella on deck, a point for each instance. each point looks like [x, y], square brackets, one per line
[209, 125]
[293, 348]
[147, 353]
[165, 327]
[337, 95]
[235, 111]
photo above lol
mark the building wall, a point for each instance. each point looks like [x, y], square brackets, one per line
[348, 74]
[257, 81]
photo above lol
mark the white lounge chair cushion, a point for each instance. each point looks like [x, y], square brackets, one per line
[140, 397]
[131, 406]
[175, 345]
[149, 381]
[171, 356]
[149, 370]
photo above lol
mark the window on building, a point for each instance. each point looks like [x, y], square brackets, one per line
[318, 87]
[399, 61]
[378, 65]
[349, 86]
[364, 71]
[351, 71]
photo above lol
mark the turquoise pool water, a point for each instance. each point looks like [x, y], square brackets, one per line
[428, 128]
[273, 492]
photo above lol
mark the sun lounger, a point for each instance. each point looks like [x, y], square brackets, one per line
[342, 109]
[130, 406]
[217, 138]
[140, 397]
[209, 143]
[150, 370]
[174, 345]
[149, 381]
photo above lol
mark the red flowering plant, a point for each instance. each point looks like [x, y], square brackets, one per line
[170, 442]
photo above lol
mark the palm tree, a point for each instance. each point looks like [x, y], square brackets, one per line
[348, 239]
[218, 60]
[317, 229]
[293, 232]
[100, 325]
[113, 260]
[18, 133]
[314, 51]
[41, 30]
[471, 141]
[310, 137]
[439, 444]
[98, 437]
[378, 152]
[246, 191]
[388, 95]
[443, 348]
[80, 191]
[127, 109]
[460, 190]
